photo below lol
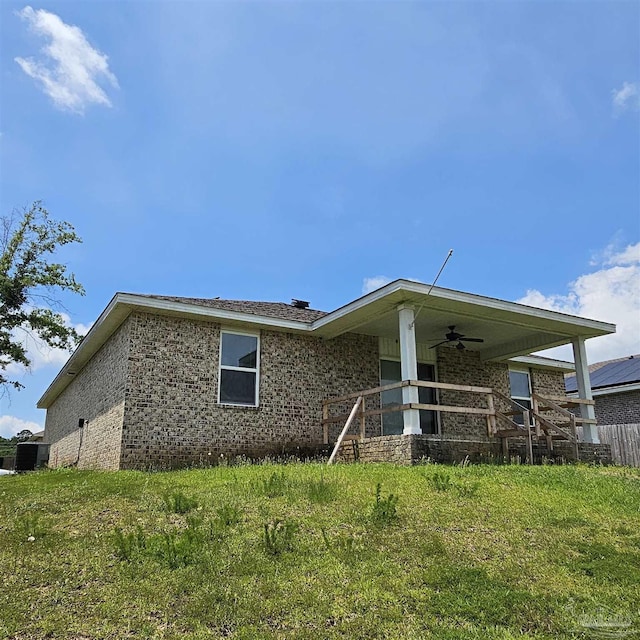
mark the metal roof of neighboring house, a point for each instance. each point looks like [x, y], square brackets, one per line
[280, 310]
[610, 373]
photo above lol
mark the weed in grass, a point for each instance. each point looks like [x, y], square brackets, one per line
[178, 502]
[129, 545]
[279, 536]
[228, 514]
[345, 547]
[467, 489]
[441, 481]
[384, 509]
[30, 527]
[321, 491]
[273, 486]
[175, 549]
[433, 544]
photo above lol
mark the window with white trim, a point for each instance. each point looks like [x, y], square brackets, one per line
[239, 368]
[520, 384]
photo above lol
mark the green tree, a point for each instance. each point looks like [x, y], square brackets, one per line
[29, 284]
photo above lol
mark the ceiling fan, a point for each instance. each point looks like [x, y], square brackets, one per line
[454, 336]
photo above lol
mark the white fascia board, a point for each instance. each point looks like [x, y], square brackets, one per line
[142, 303]
[600, 328]
[108, 321]
[122, 304]
[540, 362]
[607, 391]
[589, 327]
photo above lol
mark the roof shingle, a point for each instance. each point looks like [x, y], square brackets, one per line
[280, 310]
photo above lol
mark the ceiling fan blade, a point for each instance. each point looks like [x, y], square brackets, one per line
[472, 339]
[439, 343]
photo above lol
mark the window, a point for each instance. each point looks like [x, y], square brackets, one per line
[393, 423]
[239, 366]
[520, 391]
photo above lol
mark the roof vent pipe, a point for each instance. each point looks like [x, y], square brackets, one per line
[299, 304]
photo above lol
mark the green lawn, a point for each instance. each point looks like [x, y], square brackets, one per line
[305, 551]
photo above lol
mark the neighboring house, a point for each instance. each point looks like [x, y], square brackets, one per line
[160, 381]
[615, 387]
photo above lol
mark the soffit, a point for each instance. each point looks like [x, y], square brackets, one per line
[508, 329]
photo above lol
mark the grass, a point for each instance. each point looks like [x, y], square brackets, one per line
[304, 551]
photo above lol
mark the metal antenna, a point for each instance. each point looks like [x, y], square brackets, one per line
[433, 284]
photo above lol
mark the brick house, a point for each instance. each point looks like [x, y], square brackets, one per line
[160, 382]
[616, 389]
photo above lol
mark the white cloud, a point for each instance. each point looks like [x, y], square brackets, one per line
[10, 426]
[371, 284]
[628, 97]
[612, 294]
[70, 68]
[628, 256]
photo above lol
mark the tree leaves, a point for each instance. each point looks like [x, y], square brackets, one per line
[29, 282]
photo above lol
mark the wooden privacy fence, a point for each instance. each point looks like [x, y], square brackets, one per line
[624, 440]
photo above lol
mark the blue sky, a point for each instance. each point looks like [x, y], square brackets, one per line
[270, 150]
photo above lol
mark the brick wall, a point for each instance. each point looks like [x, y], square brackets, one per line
[171, 414]
[97, 394]
[563, 451]
[549, 384]
[465, 367]
[618, 408]
[414, 449]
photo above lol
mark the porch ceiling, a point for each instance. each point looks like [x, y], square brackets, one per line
[508, 329]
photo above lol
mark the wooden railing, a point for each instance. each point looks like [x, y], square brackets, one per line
[364, 413]
[534, 420]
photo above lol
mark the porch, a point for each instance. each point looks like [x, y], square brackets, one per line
[547, 429]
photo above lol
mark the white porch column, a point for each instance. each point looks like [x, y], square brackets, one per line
[409, 367]
[589, 431]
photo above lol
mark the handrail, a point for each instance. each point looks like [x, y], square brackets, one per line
[570, 400]
[561, 410]
[491, 413]
[511, 401]
[409, 383]
[488, 412]
[343, 433]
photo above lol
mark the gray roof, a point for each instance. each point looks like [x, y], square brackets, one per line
[611, 373]
[280, 310]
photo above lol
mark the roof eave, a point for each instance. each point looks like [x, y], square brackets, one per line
[540, 362]
[583, 326]
[119, 308]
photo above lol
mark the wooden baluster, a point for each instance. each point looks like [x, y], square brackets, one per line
[491, 418]
[527, 424]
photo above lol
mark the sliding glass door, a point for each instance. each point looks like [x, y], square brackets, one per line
[392, 423]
